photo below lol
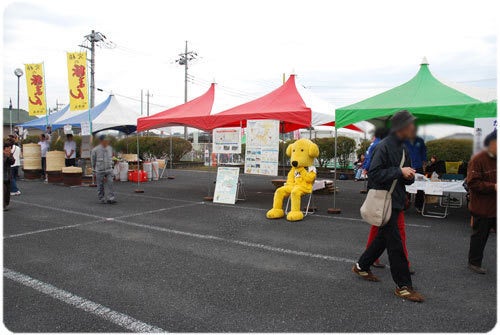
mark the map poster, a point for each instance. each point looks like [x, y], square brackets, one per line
[227, 140]
[226, 187]
[262, 147]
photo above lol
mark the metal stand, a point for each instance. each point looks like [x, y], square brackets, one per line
[335, 210]
[170, 175]
[138, 189]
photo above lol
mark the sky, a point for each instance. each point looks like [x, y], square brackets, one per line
[344, 51]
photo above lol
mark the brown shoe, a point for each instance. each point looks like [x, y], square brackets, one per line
[366, 275]
[477, 269]
[379, 265]
[408, 293]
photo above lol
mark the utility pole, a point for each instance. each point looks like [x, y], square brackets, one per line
[142, 97]
[184, 59]
[147, 102]
[94, 38]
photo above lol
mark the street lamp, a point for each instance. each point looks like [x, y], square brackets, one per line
[18, 72]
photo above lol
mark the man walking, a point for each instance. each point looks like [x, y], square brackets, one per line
[70, 151]
[384, 169]
[482, 184]
[102, 165]
[418, 155]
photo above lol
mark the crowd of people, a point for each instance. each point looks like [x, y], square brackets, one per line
[381, 165]
[13, 155]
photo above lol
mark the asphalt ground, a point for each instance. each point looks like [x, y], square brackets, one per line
[166, 260]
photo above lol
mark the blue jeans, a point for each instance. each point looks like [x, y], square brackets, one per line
[359, 172]
[13, 181]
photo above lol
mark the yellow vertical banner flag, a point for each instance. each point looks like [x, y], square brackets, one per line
[77, 80]
[35, 83]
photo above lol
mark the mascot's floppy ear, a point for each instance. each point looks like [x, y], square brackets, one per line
[313, 150]
[289, 150]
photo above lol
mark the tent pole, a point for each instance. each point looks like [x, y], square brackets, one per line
[283, 148]
[210, 197]
[335, 210]
[138, 189]
[171, 157]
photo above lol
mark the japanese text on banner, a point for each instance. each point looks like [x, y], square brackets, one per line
[77, 80]
[35, 83]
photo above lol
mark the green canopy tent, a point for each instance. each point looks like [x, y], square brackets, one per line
[424, 96]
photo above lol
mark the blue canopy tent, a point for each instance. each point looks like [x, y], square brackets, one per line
[108, 115]
[41, 122]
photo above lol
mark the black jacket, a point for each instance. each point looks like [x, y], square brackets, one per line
[384, 168]
[7, 163]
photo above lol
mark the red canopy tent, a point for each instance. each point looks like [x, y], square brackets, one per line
[194, 113]
[284, 104]
[293, 106]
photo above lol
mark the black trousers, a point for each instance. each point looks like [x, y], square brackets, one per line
[419, 197]
[44, 166]
[70, 162]
[388, 238]
[6, 193]
[480, 232]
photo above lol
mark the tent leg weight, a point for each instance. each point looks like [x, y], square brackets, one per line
[138, 191]
[208, 198]
[363, 191]
[334, 211]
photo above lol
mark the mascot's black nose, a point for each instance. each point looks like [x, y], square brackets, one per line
[295, 163]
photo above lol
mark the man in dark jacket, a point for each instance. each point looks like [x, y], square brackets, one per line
[8, 160]
[482, 184]
[384, 169]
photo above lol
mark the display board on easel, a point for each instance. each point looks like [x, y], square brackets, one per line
[226, 186]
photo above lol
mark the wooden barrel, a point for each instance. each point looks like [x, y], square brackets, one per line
[54, 177]
[32, 154]
[32, 174]
[72, 176]
[55, 160]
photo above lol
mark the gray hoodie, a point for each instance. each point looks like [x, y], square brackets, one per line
[102, 158]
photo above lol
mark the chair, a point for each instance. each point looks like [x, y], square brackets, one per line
[309, 200]
[162, 165]
[455, 202]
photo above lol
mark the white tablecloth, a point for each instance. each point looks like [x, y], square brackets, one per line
[320, 184]
[436, 187]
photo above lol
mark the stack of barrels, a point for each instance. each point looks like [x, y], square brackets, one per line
[32, 163]
[55, 163]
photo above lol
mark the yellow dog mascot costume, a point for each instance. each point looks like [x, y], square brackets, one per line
[300, 180]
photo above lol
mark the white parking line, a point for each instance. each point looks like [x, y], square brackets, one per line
[103, 312]
[158, 210]
[69, 211]
[331, 217]
[239, 242]
[48, 229]
[210, 237]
